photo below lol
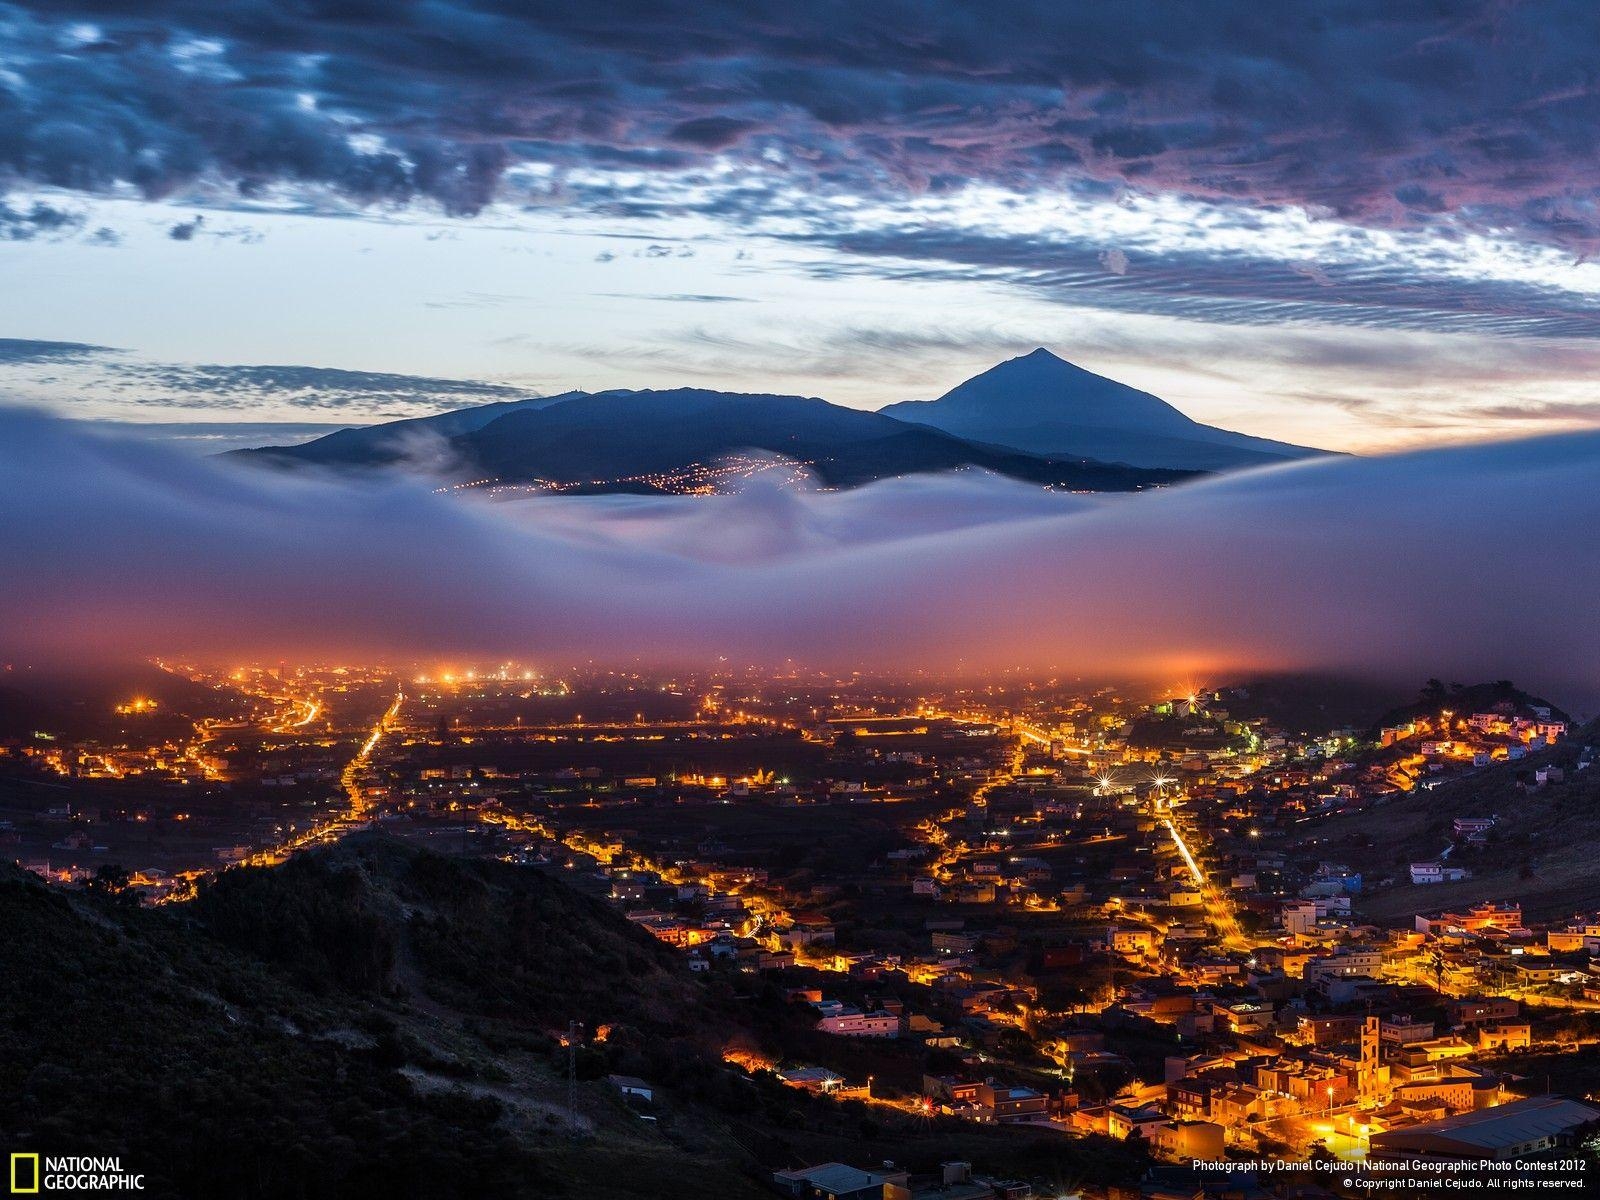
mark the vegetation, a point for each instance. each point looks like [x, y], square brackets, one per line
[375, 1019]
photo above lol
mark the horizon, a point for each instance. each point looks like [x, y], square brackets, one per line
[233, 432]
[223, 435]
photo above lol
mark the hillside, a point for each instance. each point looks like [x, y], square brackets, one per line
[658, 441]
[1045, 405]
[1463, 699]
[1540, 851]
[306, 1031]
[1309, 703]
[397, 441]
[375, 1019]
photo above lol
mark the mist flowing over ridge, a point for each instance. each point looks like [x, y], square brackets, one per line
[1375, 565]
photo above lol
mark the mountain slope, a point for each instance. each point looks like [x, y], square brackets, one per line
[1045, 405]
[647, 441]
[1540, 852]
[394, 441]
[375, 1019]
[366, 1020]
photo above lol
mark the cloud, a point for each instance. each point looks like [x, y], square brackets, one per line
[184, 231]
[110, 379]
[1379, 114]
[246, 386]
[1405, 292]
[217, 437]
[677, 297]
[36, 220]
[1358, 565]
[33, 350]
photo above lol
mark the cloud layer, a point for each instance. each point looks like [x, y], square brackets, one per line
[1464, 564]
[108, 376]
[1381, 112]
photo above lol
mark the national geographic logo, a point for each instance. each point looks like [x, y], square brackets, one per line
[24, 1174]
[32, 1174]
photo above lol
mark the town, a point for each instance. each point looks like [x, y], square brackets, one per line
[1192, 920]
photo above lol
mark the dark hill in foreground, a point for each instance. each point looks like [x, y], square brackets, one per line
[373, 1019]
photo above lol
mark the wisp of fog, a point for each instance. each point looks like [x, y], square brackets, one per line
[1464, 563]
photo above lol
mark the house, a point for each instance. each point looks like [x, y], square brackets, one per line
[852, 1022]
[1507, 1036]
[1472, 828]
[948, 1089]
[1521, 1127]
[1404, 1031]
[1009, 1105]
[949, 942]
[1188, 1140]
[1344, 964]
[628, 1085]
[1123, 1119]
[837, 1181]
[1480, 1010]
[812, 1079]
[1133, 941]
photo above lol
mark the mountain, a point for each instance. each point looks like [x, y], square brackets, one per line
[1045, 405]
[396, 441]
[660, 441]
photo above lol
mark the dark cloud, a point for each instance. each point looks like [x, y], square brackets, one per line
[32, 350]
[1219, 288]
[242, 387]
[36, 220]
[184, 231]
[711, 133]
[1336, 564]
[101, 375]
[1383, 112]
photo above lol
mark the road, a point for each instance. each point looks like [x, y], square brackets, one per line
[1217, 905]
[355, 813]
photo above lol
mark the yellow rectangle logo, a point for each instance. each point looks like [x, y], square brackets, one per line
[24, 1181]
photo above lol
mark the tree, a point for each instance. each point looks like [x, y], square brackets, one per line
[112, 879]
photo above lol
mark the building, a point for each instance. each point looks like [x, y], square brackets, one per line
[812, 1079]
[1007, 1105]
[1519, 1128]
[1346, 964]
[628, 1085]
[852, 1022]
[837, 1181]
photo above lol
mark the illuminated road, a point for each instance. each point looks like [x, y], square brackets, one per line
[350, 779]
[1032, 733]
[301, 713]
[1216, 903]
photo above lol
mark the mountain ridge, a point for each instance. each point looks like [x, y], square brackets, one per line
[654, 440]
[1043, 404]
[1035, 418]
